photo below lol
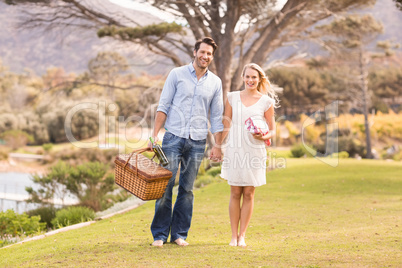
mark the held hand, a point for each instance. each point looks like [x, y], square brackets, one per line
[216, 154]
[258, 136]
[155, 138]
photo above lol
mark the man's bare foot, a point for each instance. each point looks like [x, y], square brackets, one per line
[241, 242]
[181, 242]
[157, 243]
[233, 243]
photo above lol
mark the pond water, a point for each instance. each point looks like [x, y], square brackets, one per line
[12, 184]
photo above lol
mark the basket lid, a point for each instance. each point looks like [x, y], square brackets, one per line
[146, 167]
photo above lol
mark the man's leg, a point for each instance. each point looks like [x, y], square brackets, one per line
[193, 154]
[160, 227]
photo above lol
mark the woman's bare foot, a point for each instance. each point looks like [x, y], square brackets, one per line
[233, 243]
[241, 242]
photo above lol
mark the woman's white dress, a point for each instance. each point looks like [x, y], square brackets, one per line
[244, 160]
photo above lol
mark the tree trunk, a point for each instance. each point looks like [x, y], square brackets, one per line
[264, 45]
[363, 77]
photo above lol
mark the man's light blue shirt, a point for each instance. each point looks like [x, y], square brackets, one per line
[187, 102]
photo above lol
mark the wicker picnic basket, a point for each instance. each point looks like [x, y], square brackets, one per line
[140, 175]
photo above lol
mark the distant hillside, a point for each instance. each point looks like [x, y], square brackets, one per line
[38, 52]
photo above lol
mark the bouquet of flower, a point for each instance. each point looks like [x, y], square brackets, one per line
[255, 126]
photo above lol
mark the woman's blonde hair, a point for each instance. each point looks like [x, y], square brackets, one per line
[264, 86]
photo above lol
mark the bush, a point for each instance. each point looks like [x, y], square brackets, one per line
[84, 124]
[47, 214]
[72, 215]
[342, 154]
[16, 138]
[28, 121]
[14, 225]
[47, 147]
[297, 151]
[89, 183]
[203, 180]
[213, 171]
[345, 144]
[77, 157]
[4, 153]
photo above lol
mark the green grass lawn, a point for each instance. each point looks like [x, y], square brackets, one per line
[308, 215]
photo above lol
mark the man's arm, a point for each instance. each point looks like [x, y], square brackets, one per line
[216, 124]
[165, 102]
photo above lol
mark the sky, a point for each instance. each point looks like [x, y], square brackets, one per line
[145, 8]
[156, 12]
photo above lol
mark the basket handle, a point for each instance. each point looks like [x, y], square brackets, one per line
[138, 151]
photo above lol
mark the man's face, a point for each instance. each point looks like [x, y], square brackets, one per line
[203, 57]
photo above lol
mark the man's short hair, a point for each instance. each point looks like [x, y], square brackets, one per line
[208, 41]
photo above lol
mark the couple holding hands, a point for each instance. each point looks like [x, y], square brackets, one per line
[190, 95]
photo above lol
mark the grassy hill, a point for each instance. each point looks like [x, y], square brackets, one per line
[308, 215]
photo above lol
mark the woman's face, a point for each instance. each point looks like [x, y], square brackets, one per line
[251, 79]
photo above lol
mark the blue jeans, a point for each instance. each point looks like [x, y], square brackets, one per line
[188, 154]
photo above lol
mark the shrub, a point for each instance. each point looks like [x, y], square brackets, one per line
[213, 171]
[76, 157]
[47, 214]
[8, 121]
[72, 215]
[13, 225]
[4, 153]
[89, 182]
[28, 121]
[294, 133]
[345, 144]
[16, 138]
[297, 151]
[47, 147]
[204, 180]
[342, 154]
[31, 123]
[84, 123]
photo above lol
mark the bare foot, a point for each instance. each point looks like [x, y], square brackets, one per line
[233, 243]
[241, 242]
[181, 242]
[157, 243]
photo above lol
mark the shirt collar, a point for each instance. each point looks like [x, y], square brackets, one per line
[192, 69]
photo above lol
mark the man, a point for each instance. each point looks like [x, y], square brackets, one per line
[190, 94]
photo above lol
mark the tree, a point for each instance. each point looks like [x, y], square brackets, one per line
[304, 90]
[245, 30]
[398, 4]
[16, 138]
[89, 183]
[386, 84]
[105, 68]
[348, 37]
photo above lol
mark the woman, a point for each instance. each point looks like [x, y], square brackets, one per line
[244, 162]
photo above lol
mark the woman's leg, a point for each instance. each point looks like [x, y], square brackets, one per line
[234, 212]
[245, 213]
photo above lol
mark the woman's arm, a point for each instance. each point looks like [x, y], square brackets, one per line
[269, 116]
[227, 120]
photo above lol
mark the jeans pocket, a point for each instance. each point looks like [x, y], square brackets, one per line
[168, 136]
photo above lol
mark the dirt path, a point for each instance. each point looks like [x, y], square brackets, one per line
[22, 167]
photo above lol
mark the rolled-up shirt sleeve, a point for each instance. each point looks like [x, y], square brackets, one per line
[217, 111]
[168, 92]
